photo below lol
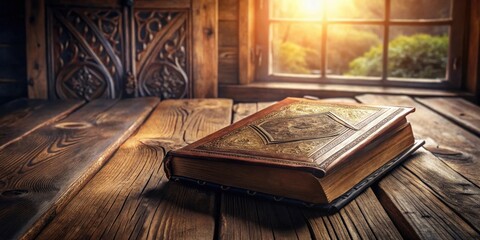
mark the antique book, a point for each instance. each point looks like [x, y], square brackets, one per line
[321, 154]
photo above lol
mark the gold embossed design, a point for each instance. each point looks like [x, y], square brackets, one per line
[246, 141]
[304, 127]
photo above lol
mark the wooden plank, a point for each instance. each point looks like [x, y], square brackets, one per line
[454, 145]
[43, 171]
[363, 218]
[458, 110]
[249, 218]
[246, 41]
[274, 91]
[242, 110]
[455, 191]
[205, 48]
[130, 196]
[22, 116]
[228, 10]
[262, 105]
[36, 49]
[417, 212]
[472, 83]
[228, 34]
[227, 65]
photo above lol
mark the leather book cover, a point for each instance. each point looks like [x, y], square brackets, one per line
[307, 135]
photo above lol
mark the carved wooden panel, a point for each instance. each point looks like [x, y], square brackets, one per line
[86, 53]
[161, 53]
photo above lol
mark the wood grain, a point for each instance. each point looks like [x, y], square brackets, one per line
[228, 10]
[22, 116]
[242, 110]
[228, 34]
[205, 48]
[245, 217]
[458, 193]
[246, 41]
[43, 171]
[472, 83]
[454, 145]
[417, 212]
[363, 218]
[36, 49]
[130, 196]
[227, 65]
[458, 110]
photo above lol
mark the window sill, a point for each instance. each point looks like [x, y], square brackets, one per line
[274, 91]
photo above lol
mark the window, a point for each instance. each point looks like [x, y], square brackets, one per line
[378, 42]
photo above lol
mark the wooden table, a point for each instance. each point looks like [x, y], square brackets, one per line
[94, 170]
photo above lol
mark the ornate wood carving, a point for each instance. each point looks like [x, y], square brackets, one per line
[86, 60]
[161, 53]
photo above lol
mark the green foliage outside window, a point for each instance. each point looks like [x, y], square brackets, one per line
[416, 56]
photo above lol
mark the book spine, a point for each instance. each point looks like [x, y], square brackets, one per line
[167, 164]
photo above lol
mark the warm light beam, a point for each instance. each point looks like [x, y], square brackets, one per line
[310, 7]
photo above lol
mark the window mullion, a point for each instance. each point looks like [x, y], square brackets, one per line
[386, 37]
[324, 42]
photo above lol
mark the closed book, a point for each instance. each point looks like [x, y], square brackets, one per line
[321, 154]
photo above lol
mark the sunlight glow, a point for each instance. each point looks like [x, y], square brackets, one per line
[310, 7]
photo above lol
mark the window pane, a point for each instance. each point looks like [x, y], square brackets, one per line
[295, 48]
[420, 9]
[354, 50]
[305, 9]
[360, 9]
[418, 52]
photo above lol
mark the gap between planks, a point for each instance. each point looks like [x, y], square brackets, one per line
[446, 194]
[130, 197]
[45, 169]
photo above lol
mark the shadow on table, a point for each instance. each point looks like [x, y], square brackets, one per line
[192, 201]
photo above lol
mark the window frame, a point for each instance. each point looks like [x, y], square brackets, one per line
[456, 53]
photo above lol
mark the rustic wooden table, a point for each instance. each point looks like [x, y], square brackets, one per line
[94, 170]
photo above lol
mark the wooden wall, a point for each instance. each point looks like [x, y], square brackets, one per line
[473, 70]
[13, 83]
[228, 42]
